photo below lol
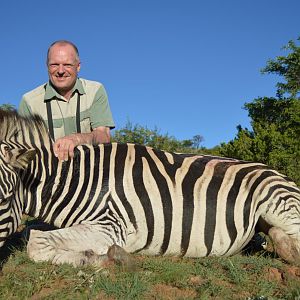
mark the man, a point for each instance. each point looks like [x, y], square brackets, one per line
[75, 110]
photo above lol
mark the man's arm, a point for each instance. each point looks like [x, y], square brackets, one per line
[64, 147]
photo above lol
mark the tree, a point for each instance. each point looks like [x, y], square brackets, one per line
[241, 147]
[7, 106]
[152, 137]
[142, 135]
[197, 140]
[289, 68]
[275, 138]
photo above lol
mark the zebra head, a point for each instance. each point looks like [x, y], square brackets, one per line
[14, 157]
[12, 160]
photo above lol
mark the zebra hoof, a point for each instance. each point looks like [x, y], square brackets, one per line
[121, 257]
[285, 246]
[89, 257]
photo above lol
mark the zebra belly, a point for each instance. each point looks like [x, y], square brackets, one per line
[197, 247]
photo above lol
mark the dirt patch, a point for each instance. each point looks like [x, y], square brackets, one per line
[47, 291]
[278, 275]
[293, 271]
[166, 292]
[274, 274]
[103, 296]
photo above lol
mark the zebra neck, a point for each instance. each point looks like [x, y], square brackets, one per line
[51, 185]
[37, 181]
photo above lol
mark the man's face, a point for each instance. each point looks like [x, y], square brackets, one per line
[63, 67]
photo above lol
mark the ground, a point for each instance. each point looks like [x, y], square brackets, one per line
[255, 276]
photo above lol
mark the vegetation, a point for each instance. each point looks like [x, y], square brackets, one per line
[238, 277]
[152, 137]
[275, 138]
[7, 106]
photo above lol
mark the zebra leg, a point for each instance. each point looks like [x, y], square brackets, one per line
[286, 247]
[77, 245]
[59, 246]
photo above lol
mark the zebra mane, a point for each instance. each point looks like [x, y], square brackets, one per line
[31, 130]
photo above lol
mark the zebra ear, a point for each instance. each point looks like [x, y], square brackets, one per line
[19, 158]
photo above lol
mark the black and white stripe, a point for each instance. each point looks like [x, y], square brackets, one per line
[142, 199]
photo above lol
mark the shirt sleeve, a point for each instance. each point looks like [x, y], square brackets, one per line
[24, 108]
[100, 111]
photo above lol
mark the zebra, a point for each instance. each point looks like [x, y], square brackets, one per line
[114, 199]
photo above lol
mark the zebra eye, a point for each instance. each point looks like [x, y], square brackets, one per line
[4, 149]
[6, 152]
[4, 201]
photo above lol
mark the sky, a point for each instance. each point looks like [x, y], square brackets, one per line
[184, 67]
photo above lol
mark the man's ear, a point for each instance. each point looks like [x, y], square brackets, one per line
[19, 158]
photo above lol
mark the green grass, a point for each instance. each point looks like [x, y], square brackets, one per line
[237, 277]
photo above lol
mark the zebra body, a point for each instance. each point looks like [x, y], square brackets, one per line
[141, 199]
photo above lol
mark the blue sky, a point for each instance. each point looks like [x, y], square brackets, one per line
[185, 67]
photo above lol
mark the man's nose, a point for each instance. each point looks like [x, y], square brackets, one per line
[61, 69]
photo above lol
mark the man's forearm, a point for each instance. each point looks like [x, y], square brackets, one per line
[64, 147]
[95, 137]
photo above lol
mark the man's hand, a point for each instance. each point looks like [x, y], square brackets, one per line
[64, 147]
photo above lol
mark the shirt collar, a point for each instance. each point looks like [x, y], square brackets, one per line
[51, 93]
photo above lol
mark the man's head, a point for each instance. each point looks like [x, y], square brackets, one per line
[63, 66]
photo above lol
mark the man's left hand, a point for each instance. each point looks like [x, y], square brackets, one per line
[64, 147]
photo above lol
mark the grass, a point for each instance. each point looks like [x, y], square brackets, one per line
[237, 277]
[256, 277]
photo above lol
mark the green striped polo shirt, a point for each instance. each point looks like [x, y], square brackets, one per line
[94, 107]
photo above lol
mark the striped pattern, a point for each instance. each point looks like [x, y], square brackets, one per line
[145, 200]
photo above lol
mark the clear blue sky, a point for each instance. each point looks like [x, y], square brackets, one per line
[186, 67]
